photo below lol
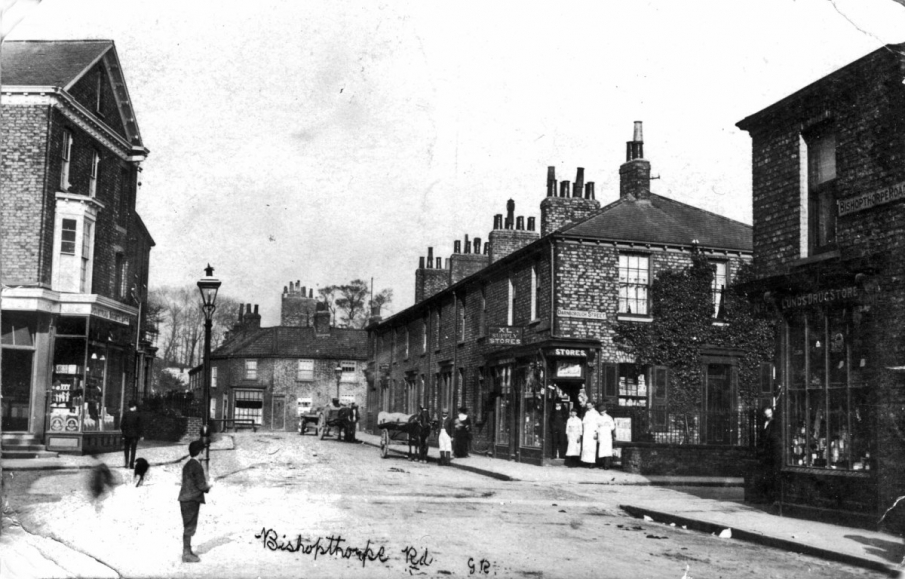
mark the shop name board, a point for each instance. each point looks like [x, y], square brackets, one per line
[580, 314]
[820, 297]
[567, 369]
[110, 315]
[505, 335]
[569, 352]
[868, 200]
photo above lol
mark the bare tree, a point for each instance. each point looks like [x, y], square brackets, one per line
[383, 299]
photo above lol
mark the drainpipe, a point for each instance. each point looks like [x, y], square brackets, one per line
[552, 289]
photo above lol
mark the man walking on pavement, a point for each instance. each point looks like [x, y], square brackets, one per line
[132, 432]
[191, 497]
[770, 454]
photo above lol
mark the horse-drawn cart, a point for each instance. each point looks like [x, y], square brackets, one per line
[397, 427]
[311, 418]
[339, 417]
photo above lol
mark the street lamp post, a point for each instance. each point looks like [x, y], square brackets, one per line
[339, 374]
[208, 285]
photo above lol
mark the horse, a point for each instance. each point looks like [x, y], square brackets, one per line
[419, 428]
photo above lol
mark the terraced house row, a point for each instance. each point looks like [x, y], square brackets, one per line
[510, 326]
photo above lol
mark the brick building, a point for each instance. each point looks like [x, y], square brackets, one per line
[74, 250]
[828, 231]
[507, 327]
[270, 375]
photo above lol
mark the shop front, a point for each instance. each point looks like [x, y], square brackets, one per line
[527, 382]
[829, 407]
[89, 384]
[68, 367]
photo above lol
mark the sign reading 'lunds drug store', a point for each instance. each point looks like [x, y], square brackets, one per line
[868, 200]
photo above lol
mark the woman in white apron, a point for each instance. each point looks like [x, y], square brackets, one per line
[605, 428]
[589, 437]
[444, 440]
[573, 435]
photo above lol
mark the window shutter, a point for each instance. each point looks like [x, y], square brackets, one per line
[609, 380]
[766, 378]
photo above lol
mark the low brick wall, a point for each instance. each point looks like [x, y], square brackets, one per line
[687, 460]
[193, 428]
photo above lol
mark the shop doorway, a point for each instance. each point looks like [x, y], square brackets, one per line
[718, 404]
[16, 379]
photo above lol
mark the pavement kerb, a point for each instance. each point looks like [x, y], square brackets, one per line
[23, 464]
[664, 481]
[761, 539]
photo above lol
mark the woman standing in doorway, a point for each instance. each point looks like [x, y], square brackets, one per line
[589, 436]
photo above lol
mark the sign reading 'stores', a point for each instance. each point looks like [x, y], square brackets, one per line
[505, 335]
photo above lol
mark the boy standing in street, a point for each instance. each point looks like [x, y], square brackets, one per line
[191, 496]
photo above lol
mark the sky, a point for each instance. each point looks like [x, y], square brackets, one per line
[329, 141]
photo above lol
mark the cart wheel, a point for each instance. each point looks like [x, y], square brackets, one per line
[321, 427]
[384, 444]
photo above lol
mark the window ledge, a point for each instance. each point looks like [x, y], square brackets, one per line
[634, 318]
[825, 256]
[720, 323]
[534, 322]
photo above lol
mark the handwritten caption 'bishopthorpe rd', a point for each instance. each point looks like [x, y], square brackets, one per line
[336, 547]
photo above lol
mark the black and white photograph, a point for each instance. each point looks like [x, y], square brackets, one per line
[378, 289]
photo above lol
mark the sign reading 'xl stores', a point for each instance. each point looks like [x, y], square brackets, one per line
[504, 335]
[872, 199]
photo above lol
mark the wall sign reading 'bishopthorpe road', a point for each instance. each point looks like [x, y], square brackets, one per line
[580, 314]
[872, 199]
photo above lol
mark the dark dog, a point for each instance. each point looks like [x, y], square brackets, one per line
[141, 469]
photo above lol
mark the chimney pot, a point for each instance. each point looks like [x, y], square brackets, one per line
[551, 181]
[564, 189]
[520, 223]
[421, 262]
[477, 245]
[467, 244]
[430, 257]
[310, 293]
[256, 309]
[638, 135]
[579, 182]
[439, 263]
[530, 224]
[285, 291]
[589, 190]
[457, 246]
[247, 308]
[486, 248]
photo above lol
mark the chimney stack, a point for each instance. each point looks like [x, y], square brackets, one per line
[579, 183]
[634, 174]
[569, 207]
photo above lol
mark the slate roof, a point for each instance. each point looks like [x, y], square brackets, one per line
[663, 221]
[49, 63]
[295, 342]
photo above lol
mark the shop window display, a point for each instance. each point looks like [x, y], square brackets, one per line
[828, 410]
[503, 385]
[532, 419]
